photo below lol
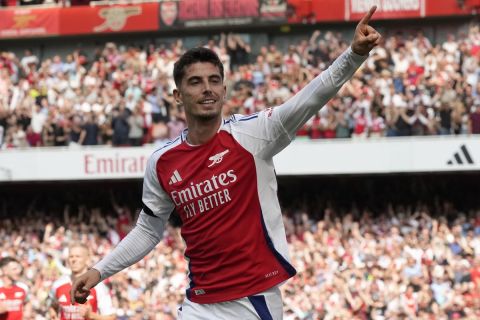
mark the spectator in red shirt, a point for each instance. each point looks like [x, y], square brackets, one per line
[124, 219]
[34, 139]
[13, 294]
[330, 126]
[99, 305]
[475, 273]
[377, 125]
[475, 120]
[316, 128]
[360, 129]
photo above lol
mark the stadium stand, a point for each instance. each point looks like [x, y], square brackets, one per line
[399, 248]
[122, 95]
[394, 246]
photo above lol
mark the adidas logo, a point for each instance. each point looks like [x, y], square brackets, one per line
[62, 299]
[461, 157]
[3, 296]
[175, 178]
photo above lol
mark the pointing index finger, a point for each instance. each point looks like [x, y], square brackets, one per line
[368, 16]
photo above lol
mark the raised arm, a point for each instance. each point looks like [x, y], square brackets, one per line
[297, 110]
[273, 129]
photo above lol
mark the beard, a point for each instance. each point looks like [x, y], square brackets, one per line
[207, 117]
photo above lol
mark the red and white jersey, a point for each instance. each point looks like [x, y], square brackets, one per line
[13, 298]
[225, 192]
[99, 299]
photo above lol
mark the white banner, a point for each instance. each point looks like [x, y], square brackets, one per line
[362, 6]
[305, 157]
[386, 9]
[39, 164]
[385, 155]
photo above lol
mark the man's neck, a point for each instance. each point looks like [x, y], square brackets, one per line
[73, 276]
[200, 132]
[7, 282]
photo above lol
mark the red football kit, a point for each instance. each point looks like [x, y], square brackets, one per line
[99, 299]
[225, 192]
[13, 298]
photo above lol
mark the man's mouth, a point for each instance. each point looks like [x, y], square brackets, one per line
[207, 101]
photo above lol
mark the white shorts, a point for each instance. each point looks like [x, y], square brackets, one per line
[267, 305]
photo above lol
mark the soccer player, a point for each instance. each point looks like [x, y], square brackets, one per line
[219, 176]
[13, 293]
[99, 303]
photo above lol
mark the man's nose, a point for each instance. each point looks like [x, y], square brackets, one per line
[206, 87]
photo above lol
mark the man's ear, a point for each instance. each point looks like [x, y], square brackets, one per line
[176, 95]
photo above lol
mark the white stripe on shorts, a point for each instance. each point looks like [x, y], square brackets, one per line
[267, 305]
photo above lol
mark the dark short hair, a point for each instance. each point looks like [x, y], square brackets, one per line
[7, 260]
[198, 54]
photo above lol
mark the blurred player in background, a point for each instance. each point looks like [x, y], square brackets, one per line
[99, 303]
[219, 177]
[13, 293]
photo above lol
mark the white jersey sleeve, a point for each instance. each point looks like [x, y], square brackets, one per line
[270, 131]
[59, 282]
[26, 289]
[156, 202]
[148, 230]
[104, 301]
[146, 234]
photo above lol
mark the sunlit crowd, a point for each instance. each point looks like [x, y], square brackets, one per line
[122, 95]
[401, 262]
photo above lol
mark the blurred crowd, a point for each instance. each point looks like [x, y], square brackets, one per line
[401, 262]
[404, 263]
[122, 95]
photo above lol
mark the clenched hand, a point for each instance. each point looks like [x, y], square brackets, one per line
[82, 285]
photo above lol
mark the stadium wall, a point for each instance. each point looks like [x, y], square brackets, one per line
[322, 157]
[165, 16]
